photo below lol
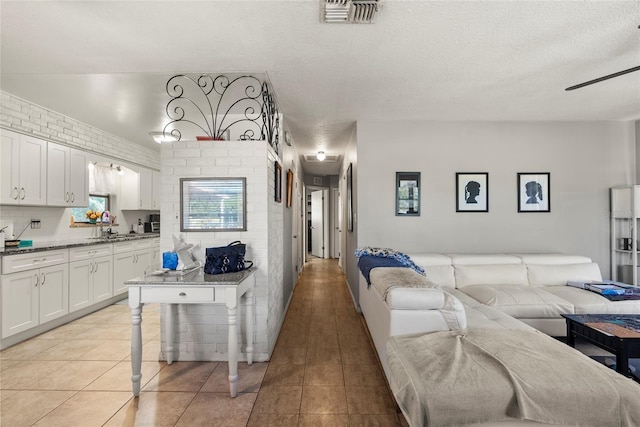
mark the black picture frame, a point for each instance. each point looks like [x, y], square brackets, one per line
[408, 194]
[350, 197]
[472, 191]
[534, 192]
[278, 182]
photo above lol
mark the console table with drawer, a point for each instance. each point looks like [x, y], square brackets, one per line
[172, 288]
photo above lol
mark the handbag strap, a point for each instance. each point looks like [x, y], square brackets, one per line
[237, 242]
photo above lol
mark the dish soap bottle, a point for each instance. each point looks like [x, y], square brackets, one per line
[140, 229]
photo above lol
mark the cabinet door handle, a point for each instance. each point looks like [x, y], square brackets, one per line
[37, 277]
[44, 278]
[73, 197]
[24, 193]
[91, 268]
[96, 270]
[17, 192]
[182, 294]
[66, 196]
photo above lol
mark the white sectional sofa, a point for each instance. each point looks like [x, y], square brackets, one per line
[518, 292]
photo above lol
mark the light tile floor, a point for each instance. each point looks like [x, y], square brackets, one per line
[323, 372]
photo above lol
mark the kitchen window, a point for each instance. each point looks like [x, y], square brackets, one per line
[96, 203]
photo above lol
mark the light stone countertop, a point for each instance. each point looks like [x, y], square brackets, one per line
[195, 277]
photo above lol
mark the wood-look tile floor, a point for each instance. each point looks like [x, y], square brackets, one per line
[323, 372]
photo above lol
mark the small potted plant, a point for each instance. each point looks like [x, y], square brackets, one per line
[92, 216]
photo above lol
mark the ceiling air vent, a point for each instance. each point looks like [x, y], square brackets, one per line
[350, 11]
[313, 158]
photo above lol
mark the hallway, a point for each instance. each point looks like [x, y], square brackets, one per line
[323, 372]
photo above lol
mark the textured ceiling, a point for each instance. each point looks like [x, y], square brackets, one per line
[106, 62]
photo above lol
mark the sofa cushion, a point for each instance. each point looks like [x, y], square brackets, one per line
[553, 259]
[415, 298]
[586, 302]
[488, 274]
[479, 259]
[520, 301]
[482, 316]
[558, 275]
[424, 259]
[441, 275]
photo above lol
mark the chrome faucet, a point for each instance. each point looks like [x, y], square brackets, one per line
[102, 233]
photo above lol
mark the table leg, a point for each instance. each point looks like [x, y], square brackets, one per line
[622, 361]
[136, 348]
[170, 332]
[571, 338]
[249, 325]
[232, 311]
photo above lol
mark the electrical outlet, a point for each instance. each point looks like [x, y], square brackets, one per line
[35, 224]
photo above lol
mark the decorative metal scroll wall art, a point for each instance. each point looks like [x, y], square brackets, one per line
[218, 106]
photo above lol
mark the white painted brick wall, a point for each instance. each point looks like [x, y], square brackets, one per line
[202, 329]
[23, 116]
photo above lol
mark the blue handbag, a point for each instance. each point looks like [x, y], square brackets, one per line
[226, 259]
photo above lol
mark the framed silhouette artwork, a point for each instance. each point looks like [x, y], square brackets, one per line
[534, 193]
[472, 192]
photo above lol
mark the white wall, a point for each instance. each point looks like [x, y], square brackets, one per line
[584, 159]
[350, 238]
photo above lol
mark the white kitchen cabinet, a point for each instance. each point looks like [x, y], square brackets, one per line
[23, 169]
[155, 190]
[131, 259]
[31, 297]
[146, 189]
[90, 275]
[67, 176]
[137, 190]
[156, 254]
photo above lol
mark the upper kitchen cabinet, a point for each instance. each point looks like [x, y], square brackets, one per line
[67, 176]
[23, 171]
[155, 187]
[139, 190]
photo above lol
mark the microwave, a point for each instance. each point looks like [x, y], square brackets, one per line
[152, 227]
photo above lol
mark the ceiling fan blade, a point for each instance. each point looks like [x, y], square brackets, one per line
[599, 79]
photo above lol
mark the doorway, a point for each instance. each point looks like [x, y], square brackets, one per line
[317, 224]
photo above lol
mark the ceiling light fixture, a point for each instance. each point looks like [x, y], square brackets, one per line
[161, 137]
[321, 156]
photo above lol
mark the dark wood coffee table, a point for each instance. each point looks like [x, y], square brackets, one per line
[616, 333]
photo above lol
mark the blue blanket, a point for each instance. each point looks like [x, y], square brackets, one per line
[368, 262]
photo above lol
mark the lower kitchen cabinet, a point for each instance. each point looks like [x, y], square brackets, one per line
[127, 266]
[44, 289]
[90, 281]
[33, 297]
[90, 275]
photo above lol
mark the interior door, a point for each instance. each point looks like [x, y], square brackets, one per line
[301, 241]
[295, 231]
[317, 222]
[336, 207]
